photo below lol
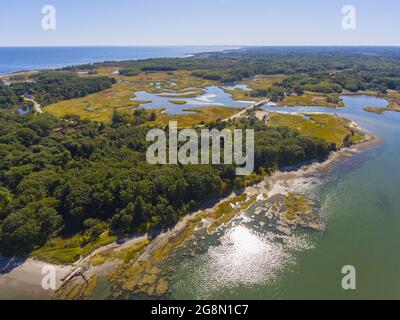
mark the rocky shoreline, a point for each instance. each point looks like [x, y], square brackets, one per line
[285, 210]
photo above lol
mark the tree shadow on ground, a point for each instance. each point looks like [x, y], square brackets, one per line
[9, 264]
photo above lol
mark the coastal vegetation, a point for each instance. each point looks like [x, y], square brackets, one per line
[63, 177]
[79, 291]
[382, 110]
[75, 178]
[331, 128]
[194, 116]
[51, 87]
[296, 205]
[394, 103]
[74, 181]
[146, 276]
[287, 76]
[67, 250]
[99, 106]
[179, 102]
[102, 105]
[297, 71]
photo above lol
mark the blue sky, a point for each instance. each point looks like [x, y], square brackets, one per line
[199, 22]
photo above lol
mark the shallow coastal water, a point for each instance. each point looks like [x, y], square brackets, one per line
[243, 87]
[212, 96]
[359, 202]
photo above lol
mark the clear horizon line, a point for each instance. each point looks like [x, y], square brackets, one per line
[201, 45]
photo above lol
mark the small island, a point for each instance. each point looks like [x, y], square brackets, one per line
[179, 102]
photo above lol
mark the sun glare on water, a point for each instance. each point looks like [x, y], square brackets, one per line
[245, 257]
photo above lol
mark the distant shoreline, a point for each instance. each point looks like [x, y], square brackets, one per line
[186, 52]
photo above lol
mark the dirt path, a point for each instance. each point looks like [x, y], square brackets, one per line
[36, 106]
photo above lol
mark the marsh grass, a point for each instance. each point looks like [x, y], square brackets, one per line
[68, 250]
[331, 128]
[199, 116]
[179, 102]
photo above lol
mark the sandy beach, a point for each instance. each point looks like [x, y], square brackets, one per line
[26, 278]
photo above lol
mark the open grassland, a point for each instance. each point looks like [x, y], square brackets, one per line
[394, 103]
[198, 116]
[98, 106]
[69, 250]
[330, 128]
[263, 81]
[240, 95]
[310, 99]
[258, 82]
[172, 80]
[101, 105]
[158, 82]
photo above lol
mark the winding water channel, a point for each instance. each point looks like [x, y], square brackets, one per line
[359, 201]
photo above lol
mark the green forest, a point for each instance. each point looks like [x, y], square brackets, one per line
[65, 176]
[317, 69]
[68, 176]
[50, 87]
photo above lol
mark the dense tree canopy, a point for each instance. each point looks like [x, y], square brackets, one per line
[66, 175]
[50, 87]
[58, 176]
[318, 69]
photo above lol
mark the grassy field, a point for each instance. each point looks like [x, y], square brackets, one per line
[266, 81]
[101, 105]
[382, 110]
[309, 99]
[68, 250]
[263, 81]
[330, 128]
[198, 117]
[98, 106]
[258, 82]
[394, 103]
[149, 81]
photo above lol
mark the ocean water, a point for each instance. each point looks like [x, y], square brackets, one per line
[360, 204]
[14, 59]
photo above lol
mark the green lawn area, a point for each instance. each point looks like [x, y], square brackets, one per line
[330, 128]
